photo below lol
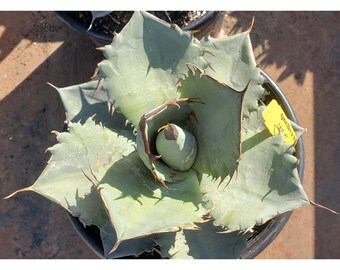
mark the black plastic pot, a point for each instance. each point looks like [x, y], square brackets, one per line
[209, 21]
[266, 232]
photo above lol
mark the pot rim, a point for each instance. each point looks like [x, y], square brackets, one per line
[272, 228]
[207, 18]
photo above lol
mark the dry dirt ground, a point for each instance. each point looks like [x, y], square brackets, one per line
[300, 50]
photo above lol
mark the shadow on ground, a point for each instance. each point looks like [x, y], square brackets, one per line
[300, 42]
[31, 226]
[34, 26]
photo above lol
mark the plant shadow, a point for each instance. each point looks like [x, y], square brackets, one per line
[33, 226]
[299, 43]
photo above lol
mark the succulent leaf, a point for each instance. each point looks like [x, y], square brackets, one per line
[83, 146]
[254, 122]
[84, 101]
[267, 180]
[144, 62]
[133, 247]
[298, 130]
[138, 206]
[216, 125]
[81, 102]
[177, 147]
[233, 63]
[206, 242]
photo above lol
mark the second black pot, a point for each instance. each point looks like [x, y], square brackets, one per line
[210, 21]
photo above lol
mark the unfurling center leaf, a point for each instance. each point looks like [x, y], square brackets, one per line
[177, 147]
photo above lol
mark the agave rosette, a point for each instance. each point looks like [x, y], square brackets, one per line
[166, 148]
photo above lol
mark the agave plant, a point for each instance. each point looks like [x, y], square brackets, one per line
[166, 148]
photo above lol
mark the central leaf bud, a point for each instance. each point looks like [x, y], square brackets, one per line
[177, 147]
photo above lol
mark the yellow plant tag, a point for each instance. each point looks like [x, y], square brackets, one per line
[277, 122]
